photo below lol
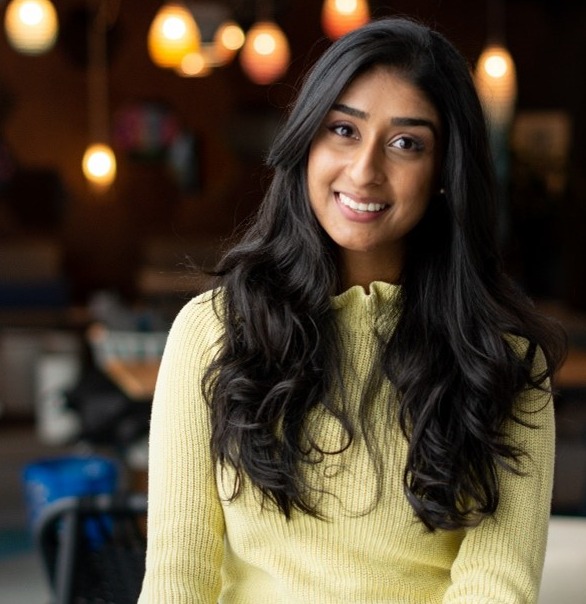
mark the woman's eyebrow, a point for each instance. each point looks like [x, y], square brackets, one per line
[350, 110]
[414, 121]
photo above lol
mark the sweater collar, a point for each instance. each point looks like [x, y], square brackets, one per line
[358, 307]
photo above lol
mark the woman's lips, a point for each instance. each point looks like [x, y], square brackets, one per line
[362, 211]
[360, 206]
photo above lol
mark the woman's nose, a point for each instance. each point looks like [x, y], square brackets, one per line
[366, 166]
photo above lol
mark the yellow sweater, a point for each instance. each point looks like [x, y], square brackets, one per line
[203, 549]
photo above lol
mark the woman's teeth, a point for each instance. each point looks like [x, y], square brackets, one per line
[360, 207]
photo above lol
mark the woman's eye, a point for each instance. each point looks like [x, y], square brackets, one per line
[406, 143]
[343, 130]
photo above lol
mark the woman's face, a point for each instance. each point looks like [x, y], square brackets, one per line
[371, 171]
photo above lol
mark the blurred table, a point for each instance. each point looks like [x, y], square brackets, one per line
[136, 379]
[129, 358]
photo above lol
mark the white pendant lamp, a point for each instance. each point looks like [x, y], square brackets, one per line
[495, 75]
[496, 83]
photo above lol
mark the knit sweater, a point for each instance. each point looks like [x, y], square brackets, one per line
[369, 549]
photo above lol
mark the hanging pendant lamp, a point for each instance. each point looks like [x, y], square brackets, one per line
[228, 40]
[98, 162]
[172, 35]
[265, 55]
[31, 26]
[496, 84]
[342, 16]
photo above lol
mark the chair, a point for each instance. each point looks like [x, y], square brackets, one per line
[93, 548]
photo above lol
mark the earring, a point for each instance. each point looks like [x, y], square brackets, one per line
[442, 191]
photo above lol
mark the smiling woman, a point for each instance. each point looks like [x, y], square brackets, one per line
[372, 169]
[361, 411]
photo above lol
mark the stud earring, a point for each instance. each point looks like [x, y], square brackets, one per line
[442, 191]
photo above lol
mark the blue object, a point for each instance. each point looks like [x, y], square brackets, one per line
[47, 480]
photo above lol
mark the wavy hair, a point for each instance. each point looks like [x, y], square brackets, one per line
[455, 373]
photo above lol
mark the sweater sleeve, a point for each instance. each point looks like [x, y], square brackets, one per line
[185, 519]
[501, 560]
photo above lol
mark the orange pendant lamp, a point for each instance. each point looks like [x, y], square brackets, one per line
[342, 16]
[172, 35]
[265, 55]
[228, 40]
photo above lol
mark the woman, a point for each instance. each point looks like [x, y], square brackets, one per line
[362, 411]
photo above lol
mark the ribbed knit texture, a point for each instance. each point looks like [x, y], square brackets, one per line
[203, 549]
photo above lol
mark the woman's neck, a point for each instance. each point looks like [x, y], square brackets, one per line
[363, 268]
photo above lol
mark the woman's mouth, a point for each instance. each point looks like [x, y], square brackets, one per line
[359, 206]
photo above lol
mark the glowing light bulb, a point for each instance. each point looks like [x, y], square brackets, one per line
[346, 7]
[99, 164]
[495, 66]
[30, 13]
[174, 28]
[265, 43]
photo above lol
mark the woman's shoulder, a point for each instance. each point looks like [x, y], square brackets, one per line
[200, 318]
[525, 350]
[518, 344]
[205, 303]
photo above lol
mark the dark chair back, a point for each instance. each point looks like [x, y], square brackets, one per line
[93, 548]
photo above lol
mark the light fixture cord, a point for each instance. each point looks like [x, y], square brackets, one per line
[495, 19]
[265, 10]
[99, 123]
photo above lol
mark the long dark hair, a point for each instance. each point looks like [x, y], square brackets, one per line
[450, 357]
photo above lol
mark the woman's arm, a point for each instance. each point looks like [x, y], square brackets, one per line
[185, 520]
[501, 560]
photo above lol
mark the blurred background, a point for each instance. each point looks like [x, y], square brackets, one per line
[94, 263]
[189, 149]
